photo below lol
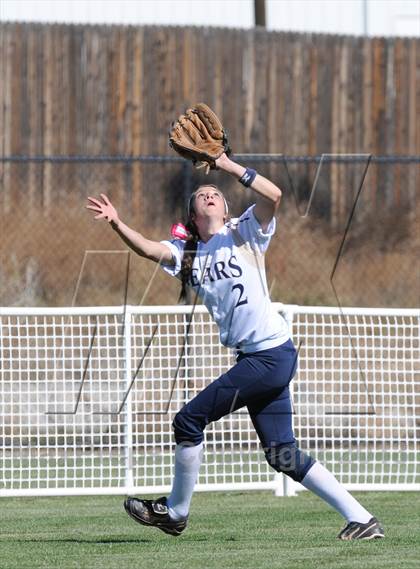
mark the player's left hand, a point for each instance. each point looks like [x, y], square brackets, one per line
[198, 135]
[222, 162]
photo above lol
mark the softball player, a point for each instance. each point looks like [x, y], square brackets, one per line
[223, 261]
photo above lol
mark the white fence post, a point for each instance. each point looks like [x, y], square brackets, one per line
[285, 486]
[128, 438]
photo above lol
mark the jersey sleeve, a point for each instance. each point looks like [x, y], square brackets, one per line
[251, 231]
[177, 249]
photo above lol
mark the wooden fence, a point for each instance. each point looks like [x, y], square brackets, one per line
[89, 90]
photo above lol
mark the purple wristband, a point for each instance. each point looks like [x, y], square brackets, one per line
[248, 177]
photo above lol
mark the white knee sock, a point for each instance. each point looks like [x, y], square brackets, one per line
[326, 486]
[187, 464]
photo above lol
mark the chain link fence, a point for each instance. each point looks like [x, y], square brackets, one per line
[347, 230]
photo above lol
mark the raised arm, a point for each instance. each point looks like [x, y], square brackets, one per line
[268, 194]
[152, 250]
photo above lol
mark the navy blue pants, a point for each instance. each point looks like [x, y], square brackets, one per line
[259, 381]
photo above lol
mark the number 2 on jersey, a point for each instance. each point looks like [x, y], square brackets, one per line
[241, 293]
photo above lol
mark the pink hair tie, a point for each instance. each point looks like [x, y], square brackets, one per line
[179, 231]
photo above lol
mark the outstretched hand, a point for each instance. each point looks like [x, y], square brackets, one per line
[103, 208]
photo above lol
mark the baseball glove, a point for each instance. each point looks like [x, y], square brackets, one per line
[198, 135]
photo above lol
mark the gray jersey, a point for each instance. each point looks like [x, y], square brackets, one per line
[229, 274]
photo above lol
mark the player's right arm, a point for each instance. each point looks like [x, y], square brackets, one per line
[153, 250]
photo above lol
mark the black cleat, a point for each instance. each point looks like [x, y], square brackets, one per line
[154, 513]
[356, 530]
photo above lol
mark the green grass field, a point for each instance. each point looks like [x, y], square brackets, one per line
[235, 529]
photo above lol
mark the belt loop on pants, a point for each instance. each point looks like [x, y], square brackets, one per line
[238, 354]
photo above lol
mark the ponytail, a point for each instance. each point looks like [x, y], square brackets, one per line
[190, 251]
